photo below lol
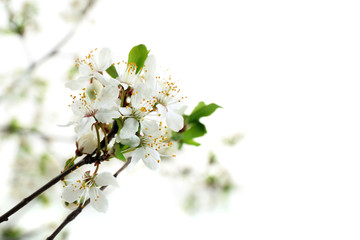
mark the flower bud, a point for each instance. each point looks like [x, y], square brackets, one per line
[87, 143]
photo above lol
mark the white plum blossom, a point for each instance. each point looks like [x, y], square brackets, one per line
[80, 187]
[101, 103]
[151, 141]
[168, 104]
[127, 74]
[139, 108]
[165, 92]
[91, 68]
[173, 118]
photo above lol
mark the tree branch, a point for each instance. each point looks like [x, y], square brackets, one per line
[78, 210]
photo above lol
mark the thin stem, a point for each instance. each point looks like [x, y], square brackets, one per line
[68, 219]
[105, 138]
[122, 94]
[98, 138]
[111, 134]
[78, 210]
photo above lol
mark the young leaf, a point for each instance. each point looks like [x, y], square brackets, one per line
[112, 71]
[118, 153]
[202, 110]
[197, 129]
[200, 105]
[120, 123]
[138, 55]
[69, 163]
[191, 142]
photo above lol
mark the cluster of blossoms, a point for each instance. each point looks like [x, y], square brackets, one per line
[145, 107]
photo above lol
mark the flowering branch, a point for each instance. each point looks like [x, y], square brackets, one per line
[144, 112]
[78, 210]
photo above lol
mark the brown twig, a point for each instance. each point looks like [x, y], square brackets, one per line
[78, 210]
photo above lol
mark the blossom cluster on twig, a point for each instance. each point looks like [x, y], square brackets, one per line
[146, 108]
[123, 110]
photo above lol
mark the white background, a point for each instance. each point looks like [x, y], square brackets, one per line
[287, 76]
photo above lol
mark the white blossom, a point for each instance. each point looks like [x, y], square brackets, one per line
[165, 92]
[139, 109]
[81, 187]
[152, 140]
[91, 68]
[98, 102]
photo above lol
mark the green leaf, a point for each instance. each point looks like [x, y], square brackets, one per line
[191, 142]
[112, 71]
[118, 152]
[202, 110]
[120, 123]
[137, 56]
[69, 163]
[197, 129]
[200, 105]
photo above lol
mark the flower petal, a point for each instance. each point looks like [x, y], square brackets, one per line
[78, 83]
[135, 157]
[126, 111]
[152, 158]
[85, 70]
[105, 59]
[149, 67]
[71, 194]
[162, 111]
[133, 141]
[107, 115]
[129, 129]
[108, 96]
[84, 126]
[106, 81]
[66, 125]
[78, 108]
[150, 127]
[98, 200]
[174, 120]
[106, 178]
